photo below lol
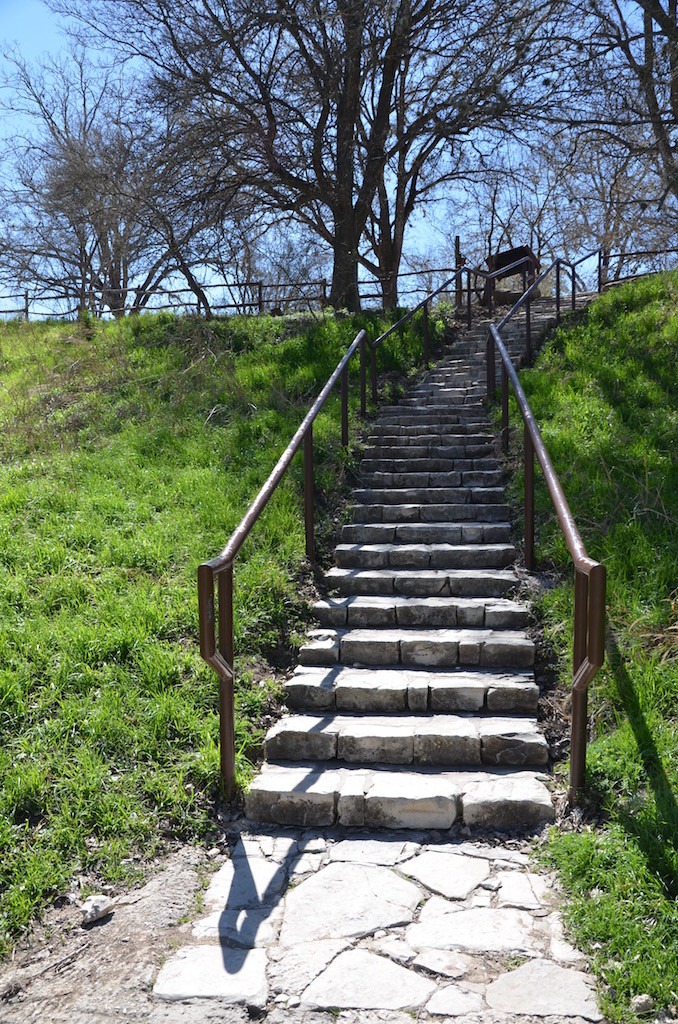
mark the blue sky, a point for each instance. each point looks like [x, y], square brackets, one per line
[29, 25]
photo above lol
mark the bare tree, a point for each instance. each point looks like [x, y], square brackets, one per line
[323, 103]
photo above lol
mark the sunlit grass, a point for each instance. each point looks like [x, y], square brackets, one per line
[605, 392]
[129, 452]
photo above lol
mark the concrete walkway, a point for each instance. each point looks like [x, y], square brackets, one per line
[309, 926]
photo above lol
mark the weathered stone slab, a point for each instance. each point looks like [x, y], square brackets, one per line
[372, 739]
[302, 737]
[446, 873]
[248, 927]
[347, 900]
[213, 972]
[382, 851]
[447, 739]
[477, 929]
[540, 988]
[442, 961]
[506, 802]
[451, 1001]
[296, 796]
[245, 882]
[521, 889]
[361, 980]
[293, 968]
[400, 800]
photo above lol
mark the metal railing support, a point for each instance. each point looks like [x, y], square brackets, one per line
[344, 407]
[226, 697]
[504, 410]
[558, 292]
[574, 289]
[363, 379]
[528, 499]
[373, 372]
[308, 494]
[427, 354]
[491, 372]
[469, 319]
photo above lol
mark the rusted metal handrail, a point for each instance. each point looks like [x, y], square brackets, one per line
[590, 576]
[217, 647]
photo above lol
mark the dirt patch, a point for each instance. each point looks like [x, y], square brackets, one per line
[67, 974]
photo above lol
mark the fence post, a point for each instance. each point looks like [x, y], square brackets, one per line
[558, 292]
[308, 494]
[426, 339]
[26, 304]
[344, 407]
[260, 296]
[528, 501]
[324, 297]
[226, 703]
[579, 697]
[373, 372]
[468, 298]
[600, 271]
[491, 383]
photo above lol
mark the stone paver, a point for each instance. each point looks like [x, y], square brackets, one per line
[379, 926]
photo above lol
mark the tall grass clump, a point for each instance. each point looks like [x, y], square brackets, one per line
[129, 453]
[605, 392]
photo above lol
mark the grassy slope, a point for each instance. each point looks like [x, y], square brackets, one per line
[129, 452]
[606, 393]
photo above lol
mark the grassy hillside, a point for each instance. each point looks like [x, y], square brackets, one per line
[129, 452]
[606, 394]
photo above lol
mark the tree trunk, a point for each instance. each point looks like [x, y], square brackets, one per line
[344, 293]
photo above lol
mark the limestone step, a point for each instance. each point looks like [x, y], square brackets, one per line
[385, 797]
[385, 461]
[453, 434]
[424, 556]
[440, 647]
[428, 495]
[415, 512]
[423, 582]
[459, 740]
[446, 479]
[342, 688]
[426, 533]
[473, 417]
[379, 610]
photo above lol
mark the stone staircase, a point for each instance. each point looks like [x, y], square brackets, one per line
[414, 704]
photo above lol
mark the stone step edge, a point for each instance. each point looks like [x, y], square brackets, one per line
[380, 796]
[475, 612]
[350, 688]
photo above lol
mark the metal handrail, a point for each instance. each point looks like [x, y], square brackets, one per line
[590, 576]
[216, 648]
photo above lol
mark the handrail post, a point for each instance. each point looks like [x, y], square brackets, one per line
[373, 372]
[578, 726]
[504, 409]
[26, 310]
[468, 298]
[458, 264]
[308, 494]
[426, 339]
[491, 381]
[344, 407]
[600, 271]
[260, 296]
[226, 700]
[528, 499]
[490, 304]
[363, 379]
[558, 293]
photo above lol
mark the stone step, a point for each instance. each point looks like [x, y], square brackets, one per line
[379, 610]
[376, 461]
[428, 495]
[426, 533]
[423, 582]
[423, 648]
[413, 434]
[418, 513]
[384, 797]
[419, 448]
[342, 688]
[424, 556]
[474, 417]
[471, 478]
[445, 739]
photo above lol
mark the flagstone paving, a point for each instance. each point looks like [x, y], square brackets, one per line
[305, 926]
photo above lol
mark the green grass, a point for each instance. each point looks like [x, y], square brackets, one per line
[128, 453]
[605, 392]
